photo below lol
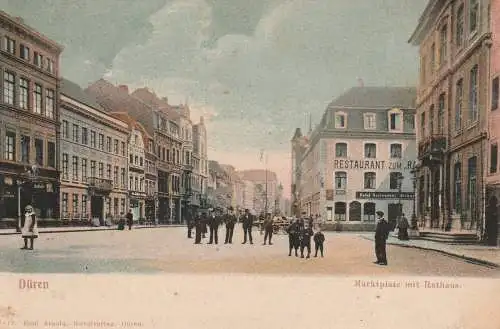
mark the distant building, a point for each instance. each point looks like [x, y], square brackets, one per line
[348, 168]
[265, 184]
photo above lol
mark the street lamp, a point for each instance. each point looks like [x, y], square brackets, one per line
[400, 185]
[414, 225]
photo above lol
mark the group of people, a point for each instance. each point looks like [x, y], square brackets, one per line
[300, 232]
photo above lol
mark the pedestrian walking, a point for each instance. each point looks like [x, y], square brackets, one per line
[319, 239]
[204, 225]
[121, 222]
[268, 229]
[403, 228]
[198, 227]
[293, 237]
[247, 223]
[130, 219]
[381, 234]
[214, 223]
[230, 220]
[190, 224]
[29, 227]
[305, 236]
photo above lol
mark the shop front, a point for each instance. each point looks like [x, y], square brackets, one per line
[137, 205]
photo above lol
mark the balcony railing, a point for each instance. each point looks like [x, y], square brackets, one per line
[432, 145]
[101, 184]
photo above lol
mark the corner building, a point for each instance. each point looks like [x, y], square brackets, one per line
[351, 163]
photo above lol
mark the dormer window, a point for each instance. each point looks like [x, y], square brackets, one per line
[370, 121]
[395, 120]
[340, 120]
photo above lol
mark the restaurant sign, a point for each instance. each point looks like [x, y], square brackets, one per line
[373, 164]
[385, 195]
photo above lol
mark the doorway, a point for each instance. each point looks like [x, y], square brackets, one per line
[394, 210]
[96, 207]
[492, 221]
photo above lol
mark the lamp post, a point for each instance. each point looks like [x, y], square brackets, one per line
[413, 232]
[400, 185]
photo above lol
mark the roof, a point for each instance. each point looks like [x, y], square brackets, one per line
[377, 97]
[423, 23]
[298, 133]
[74, 91]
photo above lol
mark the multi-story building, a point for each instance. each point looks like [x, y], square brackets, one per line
[29, 69]
[453, 39]
[137, 144]
[299, 145]
[266, 189]
[94, 155]
[200, 160]
[359, 158]
[248, 194]
[151, 176]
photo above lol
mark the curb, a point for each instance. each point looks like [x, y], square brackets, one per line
[73, 230]
[469, 259]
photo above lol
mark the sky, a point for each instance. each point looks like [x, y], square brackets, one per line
[254, 69]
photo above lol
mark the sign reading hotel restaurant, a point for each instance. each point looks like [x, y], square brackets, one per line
[373, 164]
[385, 195]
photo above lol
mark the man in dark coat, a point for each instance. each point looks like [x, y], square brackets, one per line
[403, 228]
[198, 227]
[293, 237]
[213, 224]
[247, 223]
[319, 239]
[130, 219]
[381, 234]
[230, 220]
[268, 229]
[306, 233]
[190, 223]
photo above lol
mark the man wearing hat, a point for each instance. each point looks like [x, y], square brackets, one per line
[268, 229]
[247, 223]
[230, 220]
[214, 223]
[381, 234]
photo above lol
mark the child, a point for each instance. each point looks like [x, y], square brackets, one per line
[319, 238]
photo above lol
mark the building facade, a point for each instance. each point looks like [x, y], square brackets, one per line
[453, 39]
[360, 158]
[93, 161]
[29, 70]
[200, 162]
[265, 185]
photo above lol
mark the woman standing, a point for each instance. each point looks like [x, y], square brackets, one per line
[29, 230]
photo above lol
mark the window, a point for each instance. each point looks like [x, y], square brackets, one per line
[340, 180]
[370, 180]
[473, 111]
[433, 57]
[494, 93]
[340, 120]
[75, 203]
[355, 211]
[84, 204]
[49, 103]
[122, 205]
[24, 52]
[370, 150]
[39, 152]
[37, 98]
[116, 146]
[65, 129]
[101, 142]
[472, 187]
[393, 180]
[440, 119]
[51, 154]
[93, 168]
[459, 90]
[101, 170]
[65, 166]
[369, 212]
[115, 176]
[76, 133]
[443, 44]
[396, 151]
[25, 149]
[124, 150]
[410, 121]
[108, 144]
[8, 87]
[459, 33]
[422, 124]
[108, 171]
[493, 158]
[370, 122]
[38, 59]
[340, 211]
[431, 120]
[23, 93]
[395, 121]
[341, 150]
[74, 167]
[457, 193]
[50, 65]
[9, 45]
[123, 179]
[64, 203]
[85, 136]
[131, 159]
[473, 15]
[92, 139]
[10, 146]
[84, 170]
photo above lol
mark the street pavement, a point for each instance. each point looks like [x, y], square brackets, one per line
[167, 250]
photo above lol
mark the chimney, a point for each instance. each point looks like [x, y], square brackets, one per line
[123, 88]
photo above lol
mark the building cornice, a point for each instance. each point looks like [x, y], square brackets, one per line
[424, 23]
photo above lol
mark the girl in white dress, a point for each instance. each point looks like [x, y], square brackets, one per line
[29, 230]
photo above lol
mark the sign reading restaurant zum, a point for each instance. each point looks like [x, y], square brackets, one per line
[373, 164]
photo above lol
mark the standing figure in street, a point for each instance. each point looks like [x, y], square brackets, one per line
[190, 224]
[214, 223]
[381, 234]
[268, 229]
[319, 239]
[198, 228]
[305, 235]
[29, 228]
[121, 222]
[293, 231]
[130, 219]
[247, 222]
[403, 228]
[230, 220]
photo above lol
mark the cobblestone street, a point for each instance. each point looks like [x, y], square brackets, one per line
[168, 250]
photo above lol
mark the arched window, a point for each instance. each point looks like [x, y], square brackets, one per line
[355, 211]
[340, 211]
[369, 211]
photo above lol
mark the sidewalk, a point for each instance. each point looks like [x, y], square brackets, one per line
[46, 230]
[484, 255]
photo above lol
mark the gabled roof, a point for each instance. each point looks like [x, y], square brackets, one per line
[376, 97]
[74, 91]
